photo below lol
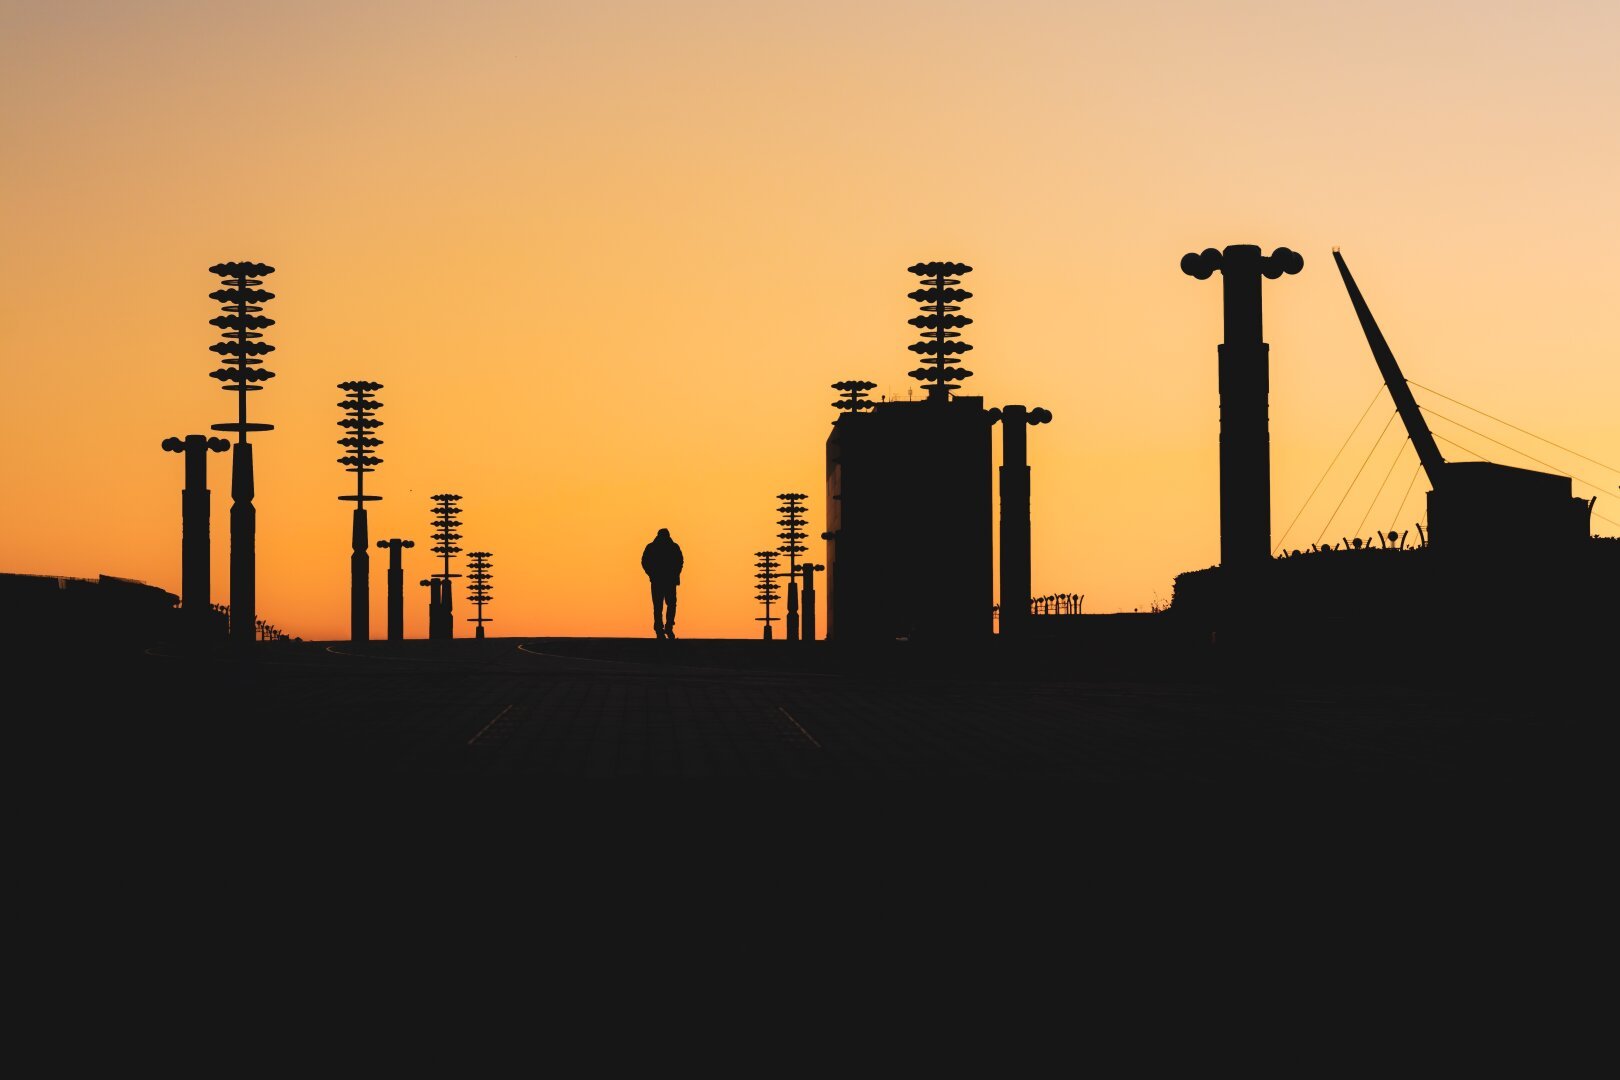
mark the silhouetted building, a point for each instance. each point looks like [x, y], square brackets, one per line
[909, 522]
[909, 530]
[42, 611]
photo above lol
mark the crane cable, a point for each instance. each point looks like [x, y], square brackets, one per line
[1409, 484]
[1596, 487]
[1376, 394]
[1353, 479]
[1380, 490]
[1515, 427]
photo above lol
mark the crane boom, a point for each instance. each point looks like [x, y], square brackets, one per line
[1422, 439]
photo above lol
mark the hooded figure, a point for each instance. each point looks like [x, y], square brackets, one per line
[662, 561]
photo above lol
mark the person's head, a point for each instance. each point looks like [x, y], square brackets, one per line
[663, 534]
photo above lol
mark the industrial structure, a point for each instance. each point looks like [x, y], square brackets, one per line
[1469, 499]
[909, 530]
[1508, 557]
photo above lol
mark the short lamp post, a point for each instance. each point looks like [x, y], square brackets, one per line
[479, 588]
[766, 591]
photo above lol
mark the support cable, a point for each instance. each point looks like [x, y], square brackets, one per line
[1380, 491]
[1353, 479]
[1515, 427]
[1409, 485]
[1596, 487]
[1376, 395]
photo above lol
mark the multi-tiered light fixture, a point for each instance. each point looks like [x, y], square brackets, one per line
[359, 404]
[242, 352]
[853, 395]
[479, 588]
[766, 592]
[792, 537]
[939, 324]
[445, 524]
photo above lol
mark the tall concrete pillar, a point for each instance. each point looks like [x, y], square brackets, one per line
[1245, 384]
[1015, 529]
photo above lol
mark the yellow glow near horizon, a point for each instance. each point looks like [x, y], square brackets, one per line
[606, 260]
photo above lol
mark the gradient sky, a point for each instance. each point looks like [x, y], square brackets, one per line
[607, 257]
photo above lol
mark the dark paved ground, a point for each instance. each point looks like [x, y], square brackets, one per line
[637, 710]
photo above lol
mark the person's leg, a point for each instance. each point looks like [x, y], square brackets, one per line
[658, 623]
[669, 610]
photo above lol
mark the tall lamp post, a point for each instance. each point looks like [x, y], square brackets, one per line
[242, 352]
[792, 537]
[445, 524]
[358, 424]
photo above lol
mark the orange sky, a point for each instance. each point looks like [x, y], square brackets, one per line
[606, 259]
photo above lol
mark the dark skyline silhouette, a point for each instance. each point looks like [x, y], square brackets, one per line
[904, 485]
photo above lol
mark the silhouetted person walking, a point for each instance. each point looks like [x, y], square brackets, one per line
[662, 561]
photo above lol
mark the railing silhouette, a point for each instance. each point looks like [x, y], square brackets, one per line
[263, 630]
[1377, 542]
[1056, 604]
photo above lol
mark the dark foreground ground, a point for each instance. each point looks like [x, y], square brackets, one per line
[639, 709]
